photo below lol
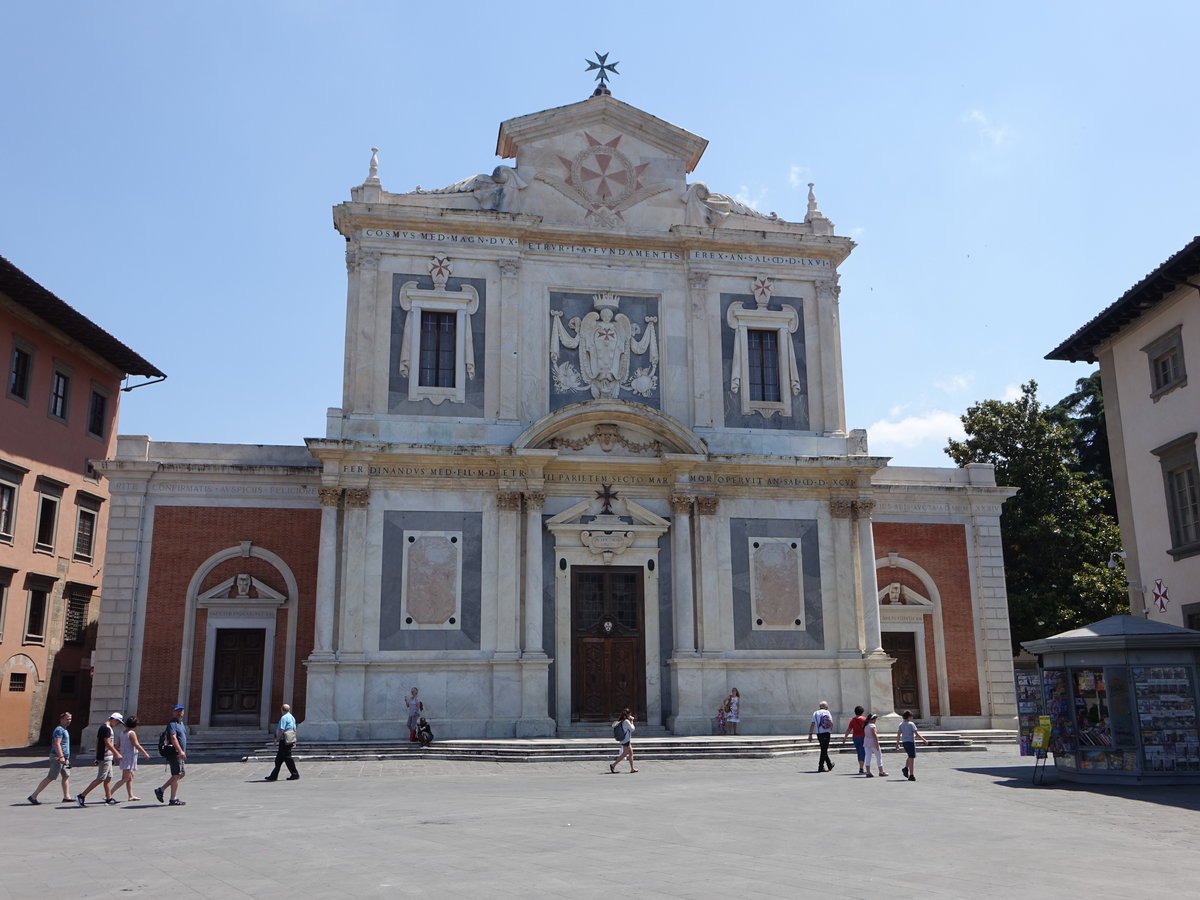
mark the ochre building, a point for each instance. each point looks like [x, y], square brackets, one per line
[592, 453]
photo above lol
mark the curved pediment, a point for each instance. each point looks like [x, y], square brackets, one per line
[611, 426]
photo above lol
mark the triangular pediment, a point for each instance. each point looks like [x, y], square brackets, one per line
[229, 593]
[625, 513]
[603, 112]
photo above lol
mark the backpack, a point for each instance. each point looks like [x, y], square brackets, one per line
[619, 732]
[165, 747]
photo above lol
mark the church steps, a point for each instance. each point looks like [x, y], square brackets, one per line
[558, 749]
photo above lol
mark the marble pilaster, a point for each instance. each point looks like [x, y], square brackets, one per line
[832, 403]
[534, 500]
[354, 566]
[362, 330]
[848, 618]
[708, 587]
[863, 507]
[326, 600]
[508, 546]
[683, 599]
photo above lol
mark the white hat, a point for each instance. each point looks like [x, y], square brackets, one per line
[118, 717]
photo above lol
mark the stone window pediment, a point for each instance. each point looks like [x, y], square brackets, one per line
[241, 591]
[461, 304]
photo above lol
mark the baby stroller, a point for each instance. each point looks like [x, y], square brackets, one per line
[424, 733]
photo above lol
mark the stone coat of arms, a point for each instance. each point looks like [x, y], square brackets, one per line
[606, 340]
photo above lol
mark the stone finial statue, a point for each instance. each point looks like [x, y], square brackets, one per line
[373, 171]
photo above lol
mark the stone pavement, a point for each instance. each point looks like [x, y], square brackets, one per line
[972, 826]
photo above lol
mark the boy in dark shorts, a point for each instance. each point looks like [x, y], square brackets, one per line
[907, 735]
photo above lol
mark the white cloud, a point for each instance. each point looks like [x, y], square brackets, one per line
[799, 176]
[1011, 392]
[928, 430]
[992, 134]
[744, 196]
[955, 384]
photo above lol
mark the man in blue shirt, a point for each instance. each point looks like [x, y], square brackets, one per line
[60, 760]
[286, 734]
[176, 758]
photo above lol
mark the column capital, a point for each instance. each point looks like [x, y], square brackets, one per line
[697, 281]
[681, 504]
[330, 496]
[535, 500]
[707, 506]
[863, 507]
[358, 498]
[828, 287]
[510, 267]
[508, 500]
[840, 507]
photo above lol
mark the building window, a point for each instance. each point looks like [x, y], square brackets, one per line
[75, 626]
[764, 370]
[8, 510]
[1179, 469]
[1167, 370]
[16, 682]
[60, 394]
[438, 349]
[5, 575]
[85, 526]
[20, 371]
[97, 414]
[67, 684]
[763, 364]
[35, 616]
[47, 524]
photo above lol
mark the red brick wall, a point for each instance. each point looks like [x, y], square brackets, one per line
[184, 537]
[941, 550]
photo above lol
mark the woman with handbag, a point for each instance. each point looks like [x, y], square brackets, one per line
[415, 708]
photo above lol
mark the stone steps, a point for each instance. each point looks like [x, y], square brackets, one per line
[567, 749]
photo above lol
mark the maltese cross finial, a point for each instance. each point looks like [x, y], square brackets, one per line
[602, 67]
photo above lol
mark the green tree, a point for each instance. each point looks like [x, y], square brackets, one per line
[1083, 411]
[1056, 532]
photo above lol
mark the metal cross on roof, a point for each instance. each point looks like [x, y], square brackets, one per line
[603, 66]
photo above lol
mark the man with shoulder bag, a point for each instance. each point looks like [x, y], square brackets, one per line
[285, 732]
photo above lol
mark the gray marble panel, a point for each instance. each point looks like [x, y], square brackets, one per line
[734, 418]
[576, 305]
[812, 637]
[398, 401]
[391, 635]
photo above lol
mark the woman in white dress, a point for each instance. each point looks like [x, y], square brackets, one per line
[871, 745]
[733, 708]
[626, 721]
[129, 748]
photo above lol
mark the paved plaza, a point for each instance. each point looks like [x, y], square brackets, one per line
[973, 825]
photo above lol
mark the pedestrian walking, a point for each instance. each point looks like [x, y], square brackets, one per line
[130, 747]
[627, 726]
[106, 752]
[285, 733]
[60, 761]
[415, 708]
[822, 722]
[907, 735]
[871, 745]
[733, 710]
[856, 731]
[175, 750]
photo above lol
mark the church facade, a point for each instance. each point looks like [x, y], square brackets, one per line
[592, 454]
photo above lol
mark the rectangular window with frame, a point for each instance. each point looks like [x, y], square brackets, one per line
[1167, 369]
[5, 576]
[49, 496]
[16, 683]
[86, 521]
[8, 509]
[75, 625]
[438, 349]
[60, 394]
[762, 351]
[1179, 469]
[35, 616]
[98, 414]
[20, 371]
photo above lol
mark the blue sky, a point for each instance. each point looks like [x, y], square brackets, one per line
[1008, 170]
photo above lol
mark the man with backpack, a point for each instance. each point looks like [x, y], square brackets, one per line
[172, 745]
[822, 721]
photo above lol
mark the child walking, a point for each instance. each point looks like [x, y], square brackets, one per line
[907, 735]
[871, 745]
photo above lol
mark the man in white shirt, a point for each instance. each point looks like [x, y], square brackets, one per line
[822, 722]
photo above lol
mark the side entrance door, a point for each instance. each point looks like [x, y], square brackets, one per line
[237, 676]
[608, 650]
[906, 689]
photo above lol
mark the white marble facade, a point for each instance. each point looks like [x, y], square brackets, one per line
[579, 380]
